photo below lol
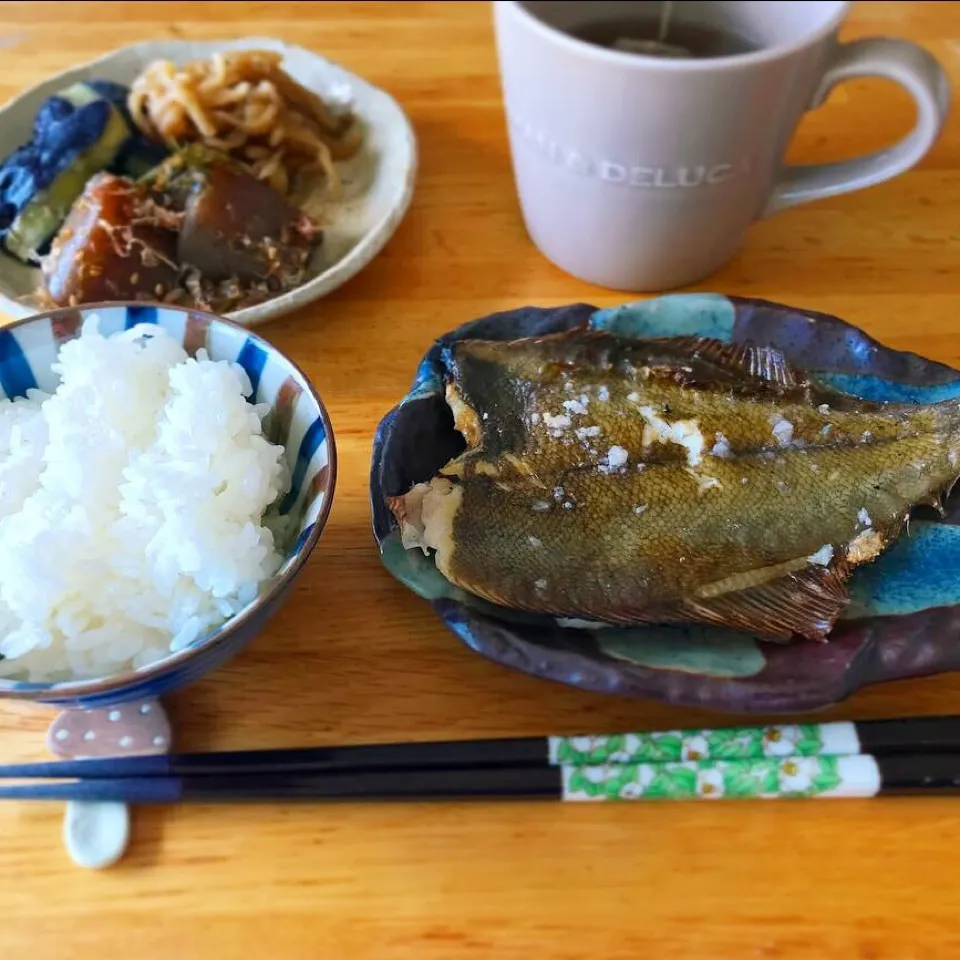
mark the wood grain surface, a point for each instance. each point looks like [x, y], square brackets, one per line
[354, 657]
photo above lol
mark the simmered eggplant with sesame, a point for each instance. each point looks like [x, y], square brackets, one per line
[198, 229]
[116, 244]
[236, 229]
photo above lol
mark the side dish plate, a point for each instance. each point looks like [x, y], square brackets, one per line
[378, 181]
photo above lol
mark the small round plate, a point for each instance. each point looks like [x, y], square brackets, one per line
[904, 618]
[378, 181]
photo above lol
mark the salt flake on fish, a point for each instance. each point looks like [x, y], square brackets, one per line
[823, 556]
[577, 407]
[782, 430]
[617, 457]
[721, 448]
[684, 433]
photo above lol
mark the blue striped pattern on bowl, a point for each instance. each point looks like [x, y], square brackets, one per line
[297, 420]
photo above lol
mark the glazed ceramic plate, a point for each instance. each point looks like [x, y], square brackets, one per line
[904, 618]
[378, 181]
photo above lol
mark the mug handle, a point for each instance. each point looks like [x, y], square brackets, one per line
[898, 60]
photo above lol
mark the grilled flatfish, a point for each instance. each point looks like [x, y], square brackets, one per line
[683, 480]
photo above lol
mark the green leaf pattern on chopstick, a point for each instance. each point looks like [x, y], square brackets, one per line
[794, 776]
[737, 743]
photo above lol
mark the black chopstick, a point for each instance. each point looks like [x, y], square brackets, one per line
[875, 737]
[859, 775]
[429, 755]
[441, 784]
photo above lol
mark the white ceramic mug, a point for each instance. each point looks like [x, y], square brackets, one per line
[643, 173]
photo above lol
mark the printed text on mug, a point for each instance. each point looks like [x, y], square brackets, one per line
[628, 174]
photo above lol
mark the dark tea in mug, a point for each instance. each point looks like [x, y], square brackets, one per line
[665, 37]
[664, 34]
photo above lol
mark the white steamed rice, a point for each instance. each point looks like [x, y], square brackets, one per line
[132, 506]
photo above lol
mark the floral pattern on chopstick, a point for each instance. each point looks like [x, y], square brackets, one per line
[736, 743]
[713, 779]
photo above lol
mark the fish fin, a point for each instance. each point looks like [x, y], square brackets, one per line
[807, 603]
[761, 362]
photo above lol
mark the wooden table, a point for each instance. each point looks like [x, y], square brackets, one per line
[354, 657]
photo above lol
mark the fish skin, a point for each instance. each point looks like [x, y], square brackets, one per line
[574, 498]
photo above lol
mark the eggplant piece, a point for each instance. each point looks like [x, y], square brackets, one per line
[235, 227]
[76, 134]
[115, 93]
[116, 244]
[137, 156]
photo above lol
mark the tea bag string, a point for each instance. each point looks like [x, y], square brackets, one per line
[666, 9]
[658, 47]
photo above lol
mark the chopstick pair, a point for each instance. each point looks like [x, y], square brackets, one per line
[914, 755]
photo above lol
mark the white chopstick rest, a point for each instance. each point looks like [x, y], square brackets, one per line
[96, 834]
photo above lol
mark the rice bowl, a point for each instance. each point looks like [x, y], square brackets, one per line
[160, 486]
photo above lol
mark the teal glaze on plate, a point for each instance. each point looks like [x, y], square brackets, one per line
[919, 572]
[709, 650]
[868, 387]
[427, 381]
[677, 315]
[416, 571]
